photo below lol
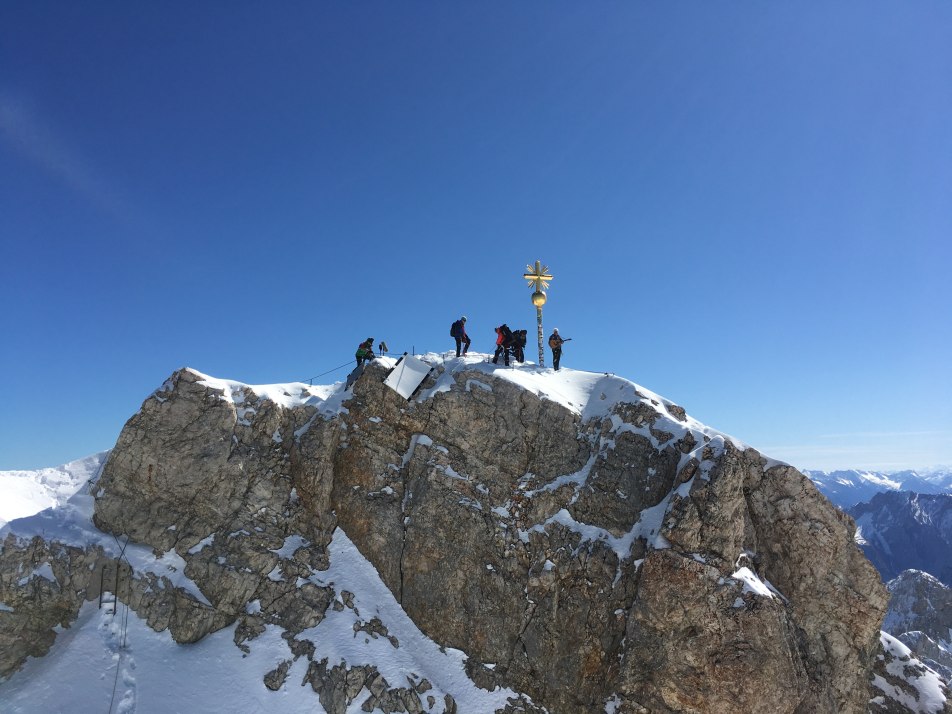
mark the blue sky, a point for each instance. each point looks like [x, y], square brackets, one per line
[746, 207]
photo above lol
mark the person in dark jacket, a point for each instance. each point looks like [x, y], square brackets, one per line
[555, 344]
[519, 348]
[365, 351]
[458, 333]
[504, 339]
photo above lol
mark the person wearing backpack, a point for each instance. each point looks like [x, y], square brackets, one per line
[555, 344]
[365, 351]
[504, 342]
[519, 348]
[458, 333]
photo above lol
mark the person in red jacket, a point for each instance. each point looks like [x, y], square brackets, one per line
[503, 343]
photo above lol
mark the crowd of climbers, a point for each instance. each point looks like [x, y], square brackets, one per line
[508, 343]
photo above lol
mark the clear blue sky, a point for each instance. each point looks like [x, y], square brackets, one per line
[747, 207]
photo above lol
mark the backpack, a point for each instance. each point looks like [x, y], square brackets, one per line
[456, 330]
[506, 335]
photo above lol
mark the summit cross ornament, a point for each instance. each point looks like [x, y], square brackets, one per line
[538, 278]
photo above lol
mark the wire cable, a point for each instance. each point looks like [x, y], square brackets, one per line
[310, 380]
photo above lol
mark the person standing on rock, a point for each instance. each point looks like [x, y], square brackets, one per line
[365, 351]
[458, 332]
[519, 348]
[503, 343]
[555, 344]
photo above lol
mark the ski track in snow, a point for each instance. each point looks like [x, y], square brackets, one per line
[101, 651]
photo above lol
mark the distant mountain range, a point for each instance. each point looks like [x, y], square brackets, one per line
[847, 488]
[908, 537]
[902, 530]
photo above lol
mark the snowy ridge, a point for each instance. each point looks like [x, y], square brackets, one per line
[326, 398]
[927, 696]
[591, 395]
[28, 492]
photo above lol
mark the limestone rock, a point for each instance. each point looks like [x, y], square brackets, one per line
[582, 551]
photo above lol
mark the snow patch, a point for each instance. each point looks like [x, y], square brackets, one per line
[203, 543]
[752, 583]
[290, 547]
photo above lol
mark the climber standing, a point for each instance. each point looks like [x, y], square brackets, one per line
[555, 344]
[458, 333]
[519, 345]
[365, 351]
[504, 340]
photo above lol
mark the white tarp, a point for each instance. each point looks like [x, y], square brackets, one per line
[407, 376]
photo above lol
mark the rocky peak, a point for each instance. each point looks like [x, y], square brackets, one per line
[584, 541]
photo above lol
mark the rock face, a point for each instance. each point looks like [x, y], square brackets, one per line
[905, 530]
[583, 541]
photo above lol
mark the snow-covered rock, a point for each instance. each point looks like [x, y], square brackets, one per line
[539, 541]
[901, 683]
[920, 614]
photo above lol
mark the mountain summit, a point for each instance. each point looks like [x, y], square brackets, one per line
[506, 540]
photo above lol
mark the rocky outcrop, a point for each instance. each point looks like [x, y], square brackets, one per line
[920, 615]
[583, 541]
[44, 584]
[902, 683]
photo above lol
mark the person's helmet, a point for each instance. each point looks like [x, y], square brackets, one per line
[463, 318]
[555, 330]
[370, 339]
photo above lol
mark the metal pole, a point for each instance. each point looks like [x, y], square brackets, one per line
[541, 352]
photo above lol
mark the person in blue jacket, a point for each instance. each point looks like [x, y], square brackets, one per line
[458, 333]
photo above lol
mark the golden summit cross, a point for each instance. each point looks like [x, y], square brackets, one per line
[538, 278]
